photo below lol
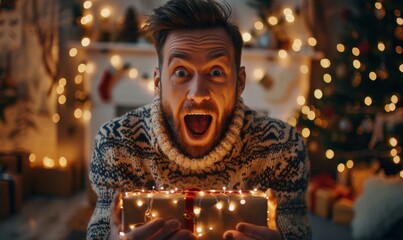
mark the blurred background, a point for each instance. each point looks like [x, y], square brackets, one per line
[332, 69]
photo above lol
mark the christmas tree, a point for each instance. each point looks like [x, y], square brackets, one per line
[356, 114]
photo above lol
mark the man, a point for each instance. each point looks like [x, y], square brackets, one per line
[198, 133]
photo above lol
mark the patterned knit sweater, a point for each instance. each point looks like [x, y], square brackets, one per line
[134, 151]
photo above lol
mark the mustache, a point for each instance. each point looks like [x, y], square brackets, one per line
[207, 106]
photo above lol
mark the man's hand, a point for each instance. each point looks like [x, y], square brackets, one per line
[247, 231]
[156, 229]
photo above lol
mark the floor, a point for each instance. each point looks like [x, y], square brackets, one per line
[47, 218]
[53, 218]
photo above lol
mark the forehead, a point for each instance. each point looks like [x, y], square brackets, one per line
[198, 40]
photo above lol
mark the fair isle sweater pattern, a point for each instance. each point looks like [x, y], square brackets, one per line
[134, 151]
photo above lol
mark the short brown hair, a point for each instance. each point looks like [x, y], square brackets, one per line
[191, 14]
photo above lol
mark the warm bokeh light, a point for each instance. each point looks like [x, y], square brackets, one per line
[306, 132]
[78, 113]
[301, 100]
[356, 64]
[116, 61]
[372, 76]
[73, 52]
[341, 167]
[350, 163]
[272, 20]
[394, 99]
[81, 68]
[340, 47]
[258, 74]
[105, 12]
[312, 41]
[62, 82]
[378, 5]
[59, 89]
[282, 53]
[32, 157]
[393, 141]
[87, 4]
[48, 162]
[85, 42]
[304, 69]
[396, 159]
[55, 118]
[325, 63]
[258, 25]
[78, 79]
[87, 115]
[292, 121]
[133, 73]
[62, 99]
[62, 162]
[327, 78]
[368, 101]
[318, 94]
[393, 152]
[246, 37]
[381, 46]
[355, 51]
[329, 154]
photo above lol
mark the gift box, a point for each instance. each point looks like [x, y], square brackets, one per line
[206, 213]
[11, 194]
[18, 162]
[56, 181]
[343, 211]
[322, 192]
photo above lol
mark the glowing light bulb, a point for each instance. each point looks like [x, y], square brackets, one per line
[231, 207]
[356, 64]
[393, 141]
[78, 113]
[87, 4]
[312, 41]
[393, 152]
[87, 115]
[394, 99]
[197, 210]
[73, 52]
[355, 51]
[304, 69]
[372, 76]
[368, 101]
[219, 205]
[62, 99]
[133, 73]
[242, 201]
[85, 42]
[381, 46]
[140, 203]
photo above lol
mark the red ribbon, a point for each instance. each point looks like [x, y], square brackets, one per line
[188, 213]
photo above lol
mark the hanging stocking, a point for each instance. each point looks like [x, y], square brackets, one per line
[108, 81]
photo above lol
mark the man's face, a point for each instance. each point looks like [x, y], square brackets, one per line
[198, 87]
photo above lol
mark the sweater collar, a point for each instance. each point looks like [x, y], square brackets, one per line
[163, 141]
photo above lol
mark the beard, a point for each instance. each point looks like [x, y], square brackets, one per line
[174, 128]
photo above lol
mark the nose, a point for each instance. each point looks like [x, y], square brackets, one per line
[198, 91]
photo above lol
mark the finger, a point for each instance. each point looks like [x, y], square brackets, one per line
[236, 235]
[170, 227]
[257, 232]
[147, 230]
[183, 234]
[116, 209]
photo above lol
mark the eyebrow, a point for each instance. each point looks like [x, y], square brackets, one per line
[186, 56]
[178, 54]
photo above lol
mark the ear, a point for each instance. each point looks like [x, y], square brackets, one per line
[241, 80]
[157, 81]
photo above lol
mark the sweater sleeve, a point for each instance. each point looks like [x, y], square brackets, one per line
[104, 180]
[292, 175]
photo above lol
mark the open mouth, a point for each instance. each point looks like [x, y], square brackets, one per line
[198, 123]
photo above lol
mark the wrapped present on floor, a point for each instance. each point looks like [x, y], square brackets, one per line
[206, 213]
[317, 182]
[10, 194]
[18, 162]
[322, 192]
[61, 180]
[343, 212]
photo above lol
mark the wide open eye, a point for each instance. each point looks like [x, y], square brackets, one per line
[181, 72]
[216, 72]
